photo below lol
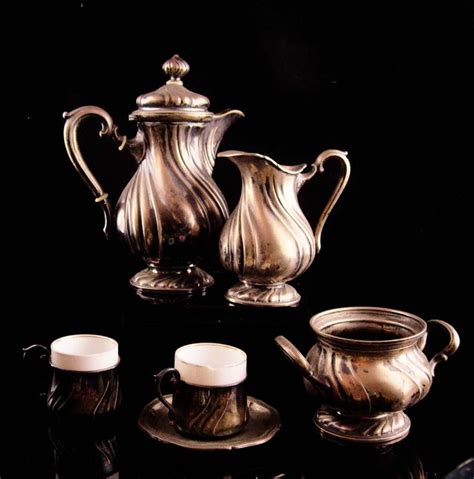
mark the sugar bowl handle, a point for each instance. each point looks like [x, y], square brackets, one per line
[175, 377]
[293, 354]
[341, 184]
[449, 349]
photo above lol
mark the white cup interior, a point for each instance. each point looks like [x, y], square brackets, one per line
[211, 364]
[84, 352]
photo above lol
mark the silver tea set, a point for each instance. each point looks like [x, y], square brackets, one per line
[367, 366]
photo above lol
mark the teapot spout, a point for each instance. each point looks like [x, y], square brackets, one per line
[213, 134]
[292, 353]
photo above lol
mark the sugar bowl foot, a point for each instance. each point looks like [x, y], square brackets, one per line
[381, 429]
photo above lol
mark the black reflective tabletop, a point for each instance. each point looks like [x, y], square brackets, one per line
[148, 335]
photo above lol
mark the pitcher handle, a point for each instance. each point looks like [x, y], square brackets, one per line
[341, 184]
[449, 349]
[73, 120]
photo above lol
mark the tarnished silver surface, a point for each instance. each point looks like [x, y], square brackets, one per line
[367, 368]
[267, 240]
[262, 425]
[171, 212]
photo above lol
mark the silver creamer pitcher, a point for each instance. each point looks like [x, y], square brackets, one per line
[267, 240]
[171, 212]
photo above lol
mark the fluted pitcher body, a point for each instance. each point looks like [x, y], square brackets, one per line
[267, 239]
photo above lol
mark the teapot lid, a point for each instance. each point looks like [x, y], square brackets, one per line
[172, 101]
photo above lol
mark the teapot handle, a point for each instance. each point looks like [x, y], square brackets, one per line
[448, 350]
[73, 120]
[318, 165]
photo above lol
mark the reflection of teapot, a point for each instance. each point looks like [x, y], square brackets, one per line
[368, 367]
[171, 212]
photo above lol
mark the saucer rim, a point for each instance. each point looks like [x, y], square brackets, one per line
[206, 444]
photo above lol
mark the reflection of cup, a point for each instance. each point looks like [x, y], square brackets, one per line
[85, 376]
[84, 452]
[209, 400]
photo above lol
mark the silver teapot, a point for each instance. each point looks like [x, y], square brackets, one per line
[171, 212]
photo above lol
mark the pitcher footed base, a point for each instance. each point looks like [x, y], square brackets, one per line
[273, 296]
[173, 281]
[382, 429]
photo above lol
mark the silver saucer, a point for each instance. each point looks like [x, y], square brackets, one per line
[263, 424]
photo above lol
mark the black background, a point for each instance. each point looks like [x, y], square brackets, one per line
[390, 83]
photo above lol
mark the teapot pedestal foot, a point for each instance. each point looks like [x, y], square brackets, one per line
[273, 296]
[381, 429]
[187, 281]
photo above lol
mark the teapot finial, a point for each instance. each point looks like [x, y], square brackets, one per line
[176, 68]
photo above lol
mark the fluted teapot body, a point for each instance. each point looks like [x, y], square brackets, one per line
[171, 212]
